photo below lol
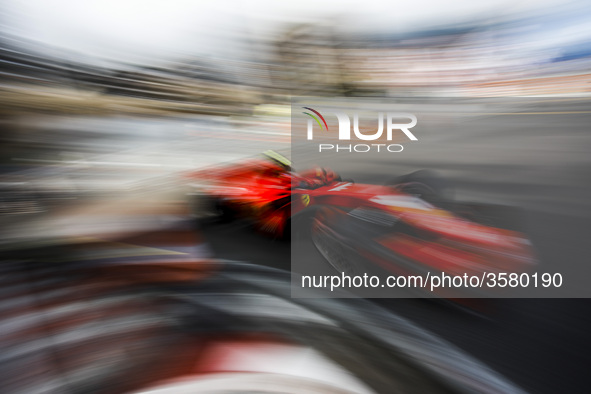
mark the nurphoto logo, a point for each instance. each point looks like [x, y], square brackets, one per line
[393, 124]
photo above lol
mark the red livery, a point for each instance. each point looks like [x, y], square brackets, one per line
[407, 226]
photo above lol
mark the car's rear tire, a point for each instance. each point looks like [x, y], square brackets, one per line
[207, 208]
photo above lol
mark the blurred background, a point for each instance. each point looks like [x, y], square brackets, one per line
[105, 105]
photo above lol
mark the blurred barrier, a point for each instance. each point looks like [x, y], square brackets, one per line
[81, 326]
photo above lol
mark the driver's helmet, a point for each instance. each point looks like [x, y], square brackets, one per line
[278, 159]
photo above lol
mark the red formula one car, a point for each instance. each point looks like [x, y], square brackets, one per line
[404, 227]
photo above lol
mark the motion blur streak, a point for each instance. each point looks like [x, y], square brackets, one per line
[108, 284]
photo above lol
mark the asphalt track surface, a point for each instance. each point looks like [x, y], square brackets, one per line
[527, 153]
